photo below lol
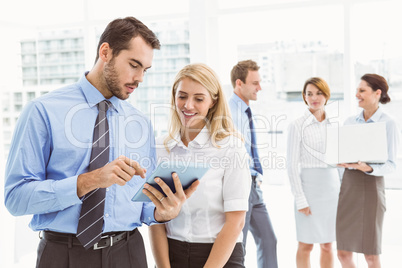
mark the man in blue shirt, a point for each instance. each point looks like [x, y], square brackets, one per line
[47, 171]
[246, 84]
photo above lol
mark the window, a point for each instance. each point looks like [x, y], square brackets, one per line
[7, 135]
[30, 95]
[18, 97]
[28, 46]
[18, 107]
[6, 122]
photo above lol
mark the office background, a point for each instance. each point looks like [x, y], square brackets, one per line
[47, 44]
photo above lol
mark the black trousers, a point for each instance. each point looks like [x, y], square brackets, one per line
[195, 255]
[128, 253]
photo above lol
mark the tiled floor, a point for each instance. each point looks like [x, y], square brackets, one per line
[280, 205]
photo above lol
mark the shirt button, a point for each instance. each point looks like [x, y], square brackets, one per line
[107, 215]
[107, 189]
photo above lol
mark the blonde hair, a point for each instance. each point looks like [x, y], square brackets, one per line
[218, 120]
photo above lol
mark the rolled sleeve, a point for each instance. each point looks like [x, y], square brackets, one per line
[237, 181]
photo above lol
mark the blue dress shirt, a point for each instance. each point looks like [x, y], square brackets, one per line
[240, 119]
[392, 139]
[52, 145]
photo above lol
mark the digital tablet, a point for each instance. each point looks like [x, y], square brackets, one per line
[187, 172]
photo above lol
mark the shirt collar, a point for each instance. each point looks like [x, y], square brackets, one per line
[374, 118]
[93, 95]
[310, 118]
[200, 140]
[236, 99]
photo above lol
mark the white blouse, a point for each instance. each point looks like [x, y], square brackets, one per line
[305, 149]
[224, 188]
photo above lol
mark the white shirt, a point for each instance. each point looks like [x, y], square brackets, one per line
[224, 188]
[392, 139]
[305, 149]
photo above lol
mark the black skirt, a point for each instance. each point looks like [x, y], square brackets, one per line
[194, 255]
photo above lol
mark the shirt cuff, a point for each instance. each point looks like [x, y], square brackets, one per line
[148, 213]
[375, 171]
[235, 205]
[66, 192]
[301, 202]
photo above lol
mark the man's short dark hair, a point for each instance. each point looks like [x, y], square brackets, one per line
[119, 32]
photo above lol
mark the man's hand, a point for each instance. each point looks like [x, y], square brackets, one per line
[168, 207]
[119, 171]
[359, 166]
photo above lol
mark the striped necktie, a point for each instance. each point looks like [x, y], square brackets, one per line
[91, 218]
[254, 151]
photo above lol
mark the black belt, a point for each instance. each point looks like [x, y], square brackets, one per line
[107, 239]
[253, 178]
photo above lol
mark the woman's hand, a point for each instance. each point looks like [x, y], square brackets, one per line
[306, 211]
[168, 207]
[362, 166]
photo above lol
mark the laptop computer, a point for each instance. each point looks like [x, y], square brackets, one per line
[358, 142]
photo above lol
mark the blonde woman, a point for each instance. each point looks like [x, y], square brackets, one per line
[315, 185]
[208, 230]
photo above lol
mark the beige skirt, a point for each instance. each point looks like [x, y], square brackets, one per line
[360, 214]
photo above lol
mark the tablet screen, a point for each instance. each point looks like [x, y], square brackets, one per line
[187, 172]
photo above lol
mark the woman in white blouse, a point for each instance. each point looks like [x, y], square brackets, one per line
[314, 184]
[361, 205]
[208, 230]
